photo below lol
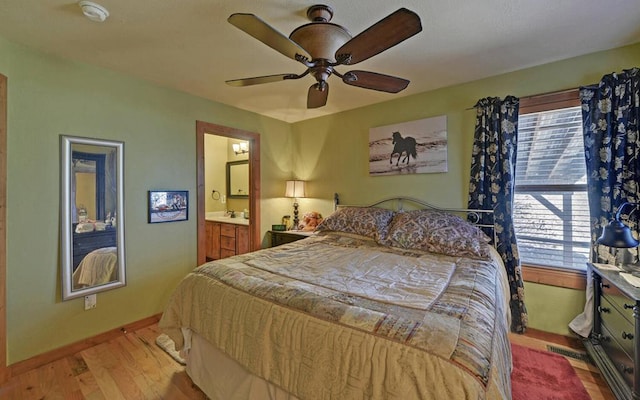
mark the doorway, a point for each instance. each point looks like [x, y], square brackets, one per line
[4, 372]
[206, 128]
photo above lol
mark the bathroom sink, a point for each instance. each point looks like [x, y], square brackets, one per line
[220, 216]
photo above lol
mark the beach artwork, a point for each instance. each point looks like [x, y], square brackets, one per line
[415, 147]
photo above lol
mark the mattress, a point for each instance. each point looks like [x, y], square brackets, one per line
[341, 317]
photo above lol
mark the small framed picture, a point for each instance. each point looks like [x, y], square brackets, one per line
[168, 205]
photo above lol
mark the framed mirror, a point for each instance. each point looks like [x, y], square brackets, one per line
[238, 179]
[91, 216]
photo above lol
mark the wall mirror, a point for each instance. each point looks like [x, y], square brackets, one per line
[238, 179]
[92, 216]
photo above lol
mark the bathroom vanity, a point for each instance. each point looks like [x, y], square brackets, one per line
[226, 237]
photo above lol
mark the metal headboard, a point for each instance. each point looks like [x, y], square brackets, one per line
[480, 218]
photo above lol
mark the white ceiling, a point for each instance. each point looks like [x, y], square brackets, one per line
[188, 45]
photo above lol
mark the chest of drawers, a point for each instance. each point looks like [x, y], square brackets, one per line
[614, 342]
[85, 243]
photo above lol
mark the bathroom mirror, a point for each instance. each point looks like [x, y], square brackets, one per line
[238, 179]
[91, 216]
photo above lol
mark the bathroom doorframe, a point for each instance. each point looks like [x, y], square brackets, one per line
[4, 371]
[203, 128]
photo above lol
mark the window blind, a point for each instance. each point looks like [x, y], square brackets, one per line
[551, 212]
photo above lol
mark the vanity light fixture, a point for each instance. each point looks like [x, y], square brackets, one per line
[95, 12]
[240, 148]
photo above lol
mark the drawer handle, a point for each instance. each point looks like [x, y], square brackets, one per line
[604, 309]
[628, 306]
[604, 285]
[625, 369]
[626, 335]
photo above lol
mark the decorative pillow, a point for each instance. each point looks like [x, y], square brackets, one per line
[365, 221]
[437, 232]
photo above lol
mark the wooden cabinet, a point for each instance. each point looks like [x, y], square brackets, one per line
[226, 240]
[614, 342]
[282, 237]
[212, 231]
[242, 239]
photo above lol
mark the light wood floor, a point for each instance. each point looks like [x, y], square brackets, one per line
[129, 367]
[134, 367]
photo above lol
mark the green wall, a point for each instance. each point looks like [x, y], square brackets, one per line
[49, 96]
[332, 152]
[551, 308]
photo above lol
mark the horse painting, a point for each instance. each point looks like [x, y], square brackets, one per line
[402, 145]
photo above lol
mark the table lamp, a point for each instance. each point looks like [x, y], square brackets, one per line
[618, 235]
[295, 189]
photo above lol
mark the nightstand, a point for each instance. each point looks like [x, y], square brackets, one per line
[614, 342]
[282, 237]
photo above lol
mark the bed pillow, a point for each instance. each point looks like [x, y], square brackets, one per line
[437, 232]
[371, 222]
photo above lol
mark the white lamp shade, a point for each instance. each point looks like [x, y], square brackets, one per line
[295, 189]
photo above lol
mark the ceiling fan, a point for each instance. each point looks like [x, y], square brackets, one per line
[321, 45]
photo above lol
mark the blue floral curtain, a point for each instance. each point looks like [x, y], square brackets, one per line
[610, 122]
[493, 167]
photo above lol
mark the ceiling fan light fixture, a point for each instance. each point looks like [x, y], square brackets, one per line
[321, 39]
[95, 12]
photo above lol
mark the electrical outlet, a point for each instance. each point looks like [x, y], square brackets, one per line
[90, 301]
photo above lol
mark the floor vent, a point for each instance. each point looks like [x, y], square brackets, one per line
[577, 355]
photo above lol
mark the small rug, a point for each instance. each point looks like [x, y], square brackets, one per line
[539, 374]
[165, 343]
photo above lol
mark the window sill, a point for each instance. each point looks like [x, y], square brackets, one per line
[555, 277]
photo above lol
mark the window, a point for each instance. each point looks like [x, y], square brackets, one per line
[551, 211]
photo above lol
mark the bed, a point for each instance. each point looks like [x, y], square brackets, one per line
[378, 304]
[96, 268]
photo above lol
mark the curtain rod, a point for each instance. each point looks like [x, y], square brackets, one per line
[550, 93]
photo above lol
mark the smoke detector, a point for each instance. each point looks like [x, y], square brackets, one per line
[93, 11]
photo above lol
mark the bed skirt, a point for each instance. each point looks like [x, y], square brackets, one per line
[222, 378]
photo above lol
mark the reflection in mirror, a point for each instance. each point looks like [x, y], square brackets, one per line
[238, 179]
[92, 216]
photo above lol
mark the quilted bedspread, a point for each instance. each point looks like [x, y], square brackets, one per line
[337, 317]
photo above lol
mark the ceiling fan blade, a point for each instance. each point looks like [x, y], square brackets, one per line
[375, 81]
[258, 80]
[262, 31]
[380, 36]
[318, 94]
